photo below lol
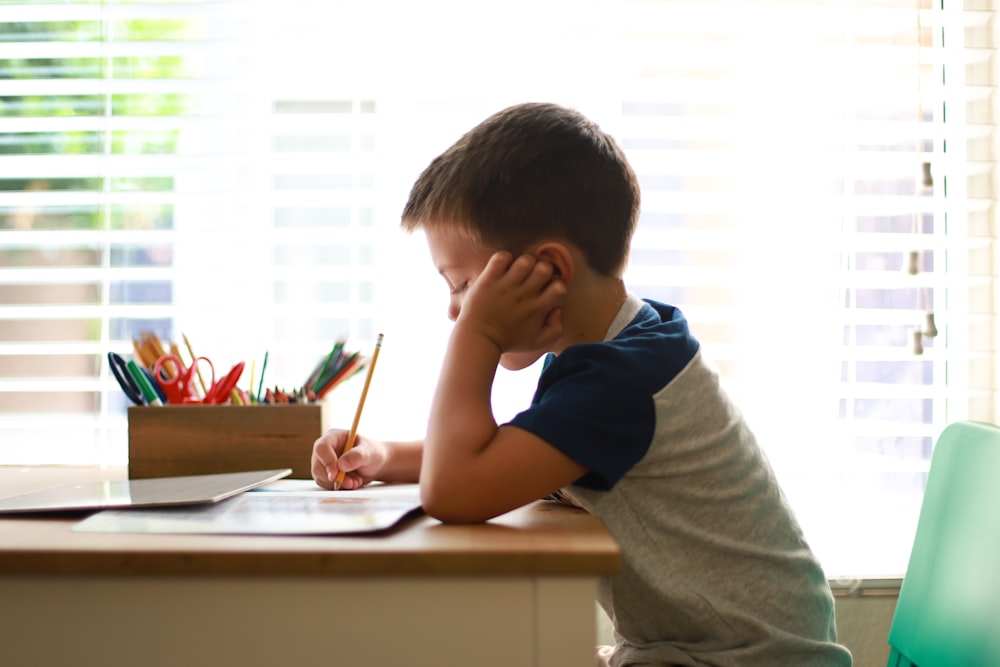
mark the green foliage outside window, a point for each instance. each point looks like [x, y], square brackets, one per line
[94, 141]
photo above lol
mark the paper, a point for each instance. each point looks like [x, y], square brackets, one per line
[287, 507]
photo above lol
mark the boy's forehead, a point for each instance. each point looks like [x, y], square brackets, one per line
[449, 229]
[452, 249]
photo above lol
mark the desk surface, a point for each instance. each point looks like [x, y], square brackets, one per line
[540, 539]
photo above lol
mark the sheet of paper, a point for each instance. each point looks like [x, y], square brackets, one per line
[292, 507]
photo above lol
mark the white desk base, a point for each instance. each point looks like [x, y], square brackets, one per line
[183, 621]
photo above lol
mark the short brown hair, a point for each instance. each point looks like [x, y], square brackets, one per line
[529, 172]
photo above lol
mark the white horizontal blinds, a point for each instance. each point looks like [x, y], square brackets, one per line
[113, 124]
[323, 253]
[968, 91]
[324, 181]
[781, 148]
[893, 379]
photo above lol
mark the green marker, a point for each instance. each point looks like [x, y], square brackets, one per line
[140, 379]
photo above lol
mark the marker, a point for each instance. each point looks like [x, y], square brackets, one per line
[144, 386]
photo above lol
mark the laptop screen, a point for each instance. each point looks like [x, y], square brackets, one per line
[152, 492]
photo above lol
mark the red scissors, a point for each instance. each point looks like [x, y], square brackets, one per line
[180, 387]
[222, 391]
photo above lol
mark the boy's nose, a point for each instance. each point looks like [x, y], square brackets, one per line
[454, 308]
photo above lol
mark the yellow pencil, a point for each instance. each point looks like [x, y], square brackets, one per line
[155, 344]
[253, 372]
[353, 434]
[139, 352]
[145, 353]
[201, 381]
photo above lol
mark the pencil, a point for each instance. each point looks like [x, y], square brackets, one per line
[263, 367]
[353, 434]
[253, 372]
[143, 355]
[319, 375]
[194, 361]
[155, 345]
[353, 362]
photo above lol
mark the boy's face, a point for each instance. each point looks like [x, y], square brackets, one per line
[459, 261]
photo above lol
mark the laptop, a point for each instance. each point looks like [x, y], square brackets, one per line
[152, 492]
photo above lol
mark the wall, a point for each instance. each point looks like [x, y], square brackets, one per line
[864, 614]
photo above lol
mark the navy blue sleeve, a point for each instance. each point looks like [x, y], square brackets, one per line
[594, 402]
[592, 407]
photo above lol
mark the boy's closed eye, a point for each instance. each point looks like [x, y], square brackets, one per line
[461, 288]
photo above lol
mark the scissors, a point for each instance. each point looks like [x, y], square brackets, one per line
[221, 391]
[177, 380]
[119, 368]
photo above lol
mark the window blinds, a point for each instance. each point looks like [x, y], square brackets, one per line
[121, 129]
[234, 171]
[789, 175]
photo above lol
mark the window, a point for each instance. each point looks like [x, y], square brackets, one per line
[234, 170]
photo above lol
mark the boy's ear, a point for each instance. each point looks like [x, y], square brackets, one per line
[560, 257]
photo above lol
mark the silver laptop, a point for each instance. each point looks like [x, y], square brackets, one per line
[152, 492]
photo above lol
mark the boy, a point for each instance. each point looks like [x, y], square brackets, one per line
[529, 218]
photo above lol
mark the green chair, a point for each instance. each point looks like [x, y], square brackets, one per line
[948, 612]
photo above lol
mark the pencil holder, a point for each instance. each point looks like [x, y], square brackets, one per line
[175, 440]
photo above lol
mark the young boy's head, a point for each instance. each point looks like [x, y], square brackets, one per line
[529, 173]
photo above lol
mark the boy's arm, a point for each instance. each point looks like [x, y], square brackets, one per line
[402, 463]
[369, 460]
[472, 470]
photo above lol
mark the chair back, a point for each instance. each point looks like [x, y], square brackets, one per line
[948, 612]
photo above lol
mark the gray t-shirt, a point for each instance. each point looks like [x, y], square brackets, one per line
[715, 569]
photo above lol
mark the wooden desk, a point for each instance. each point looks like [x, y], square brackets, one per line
[517, 591]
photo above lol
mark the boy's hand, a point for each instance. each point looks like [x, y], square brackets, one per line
[362, 464]
[515, 303]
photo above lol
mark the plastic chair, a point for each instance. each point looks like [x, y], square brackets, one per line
[948, 612]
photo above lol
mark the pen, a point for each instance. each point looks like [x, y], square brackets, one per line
[144, 386]
[353, 434]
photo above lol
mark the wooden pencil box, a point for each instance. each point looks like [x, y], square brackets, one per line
[175, 440]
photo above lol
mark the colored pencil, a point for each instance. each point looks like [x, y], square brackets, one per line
[353, 362]
[263, 367]
[319, 375]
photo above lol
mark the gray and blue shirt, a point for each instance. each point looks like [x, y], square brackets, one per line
[715, 569]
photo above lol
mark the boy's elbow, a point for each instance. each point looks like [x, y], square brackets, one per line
[450, 507]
